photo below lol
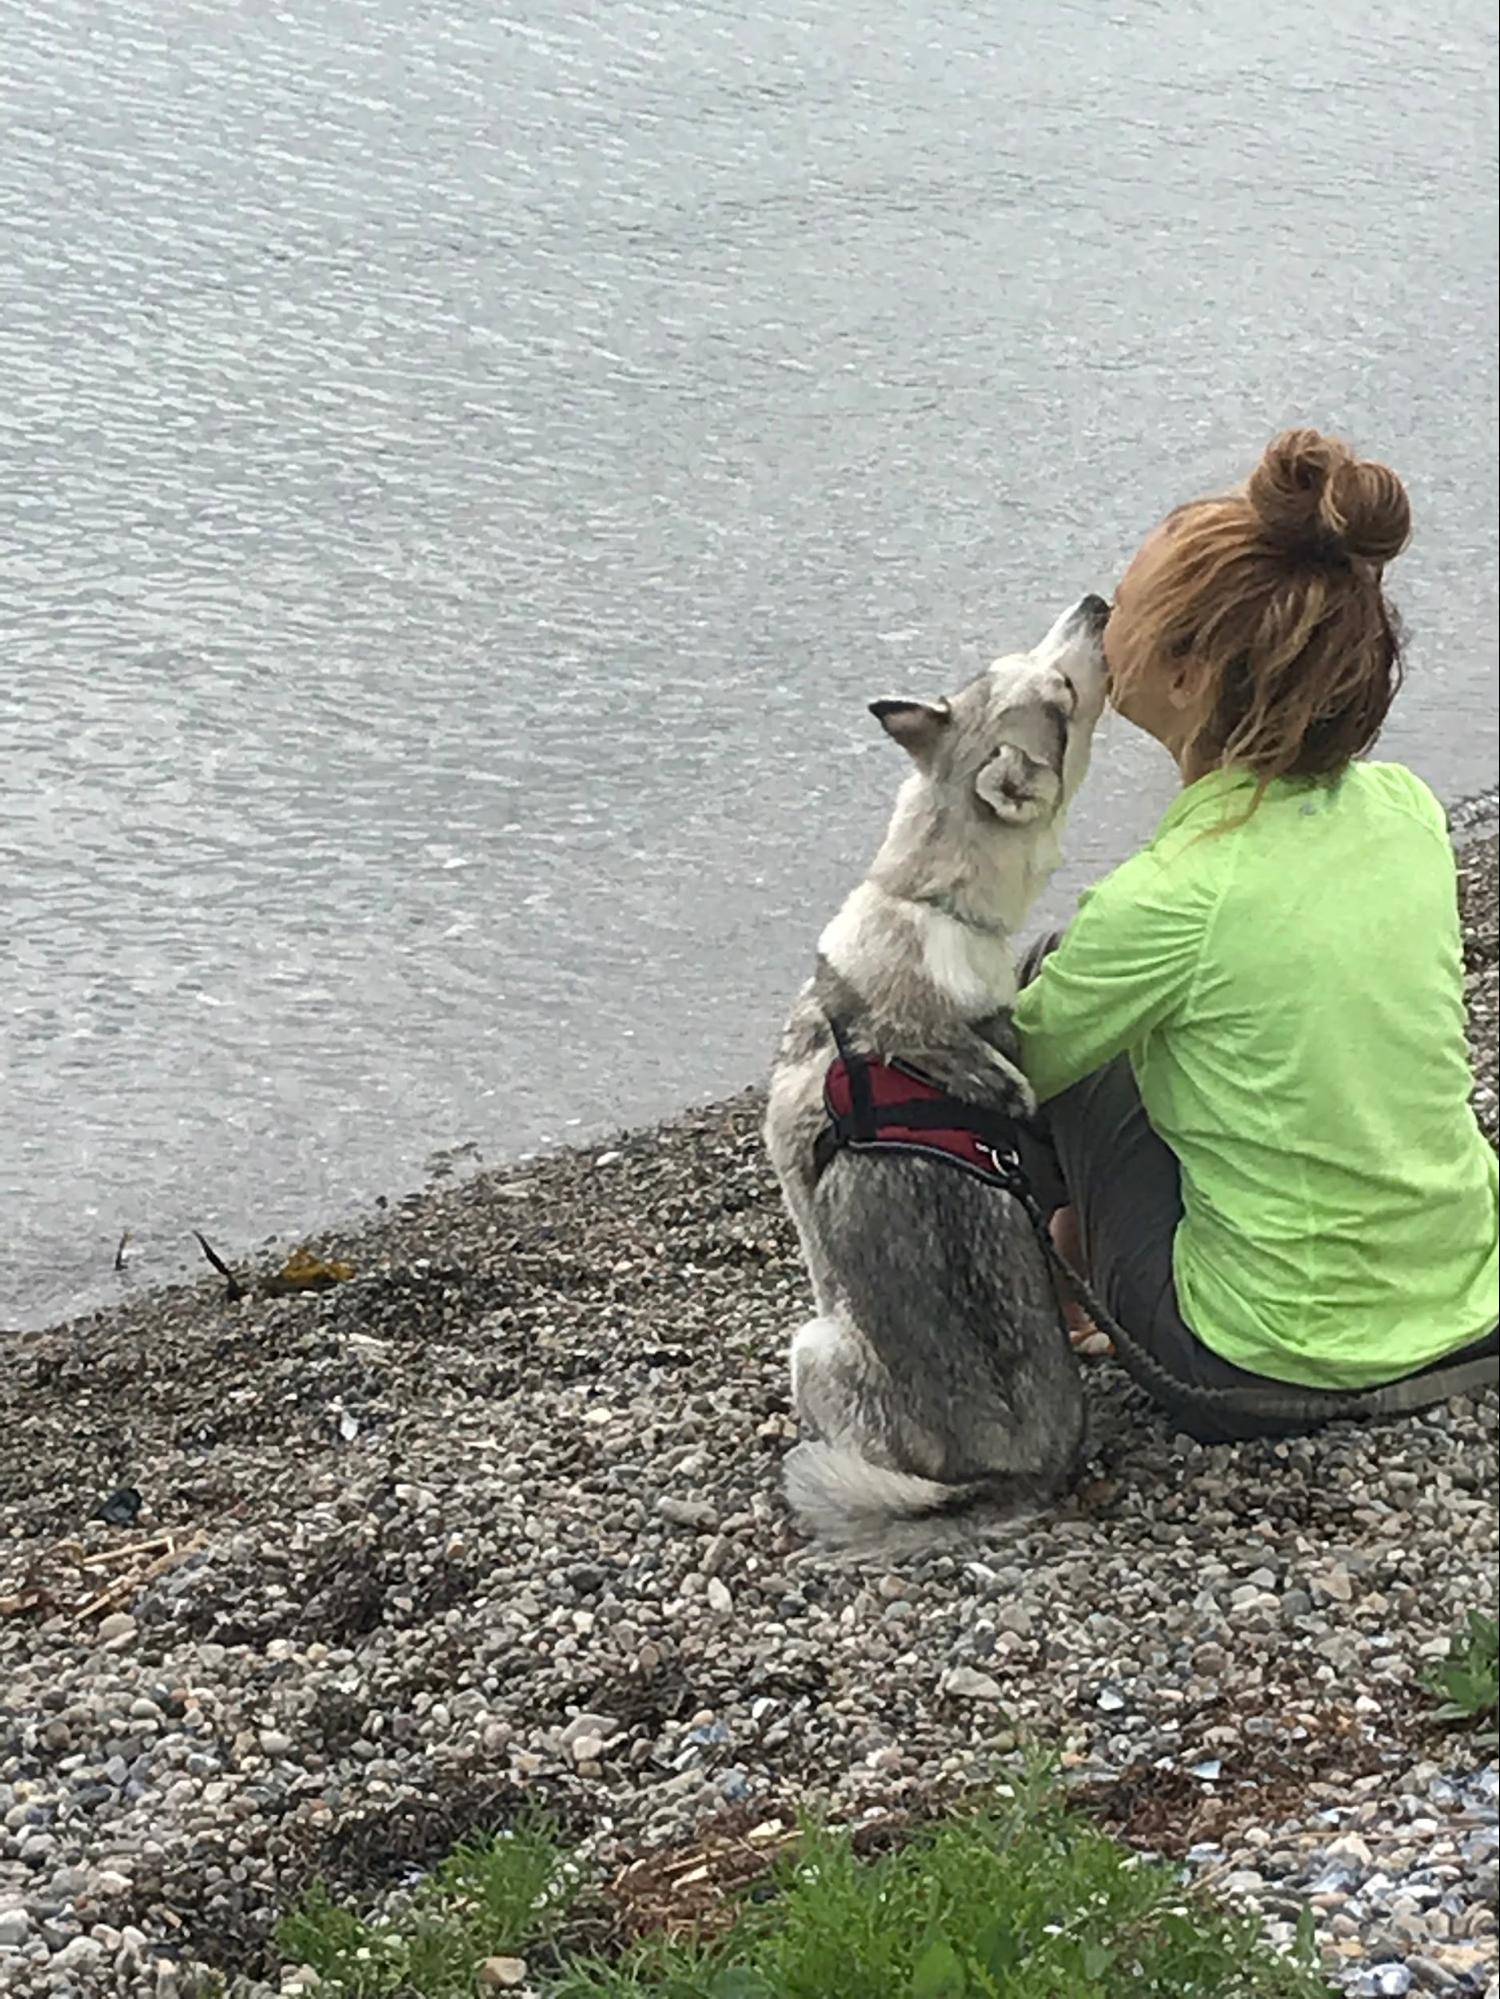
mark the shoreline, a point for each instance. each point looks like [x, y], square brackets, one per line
[1473, 820]
[496, 1523]
[1476, 817]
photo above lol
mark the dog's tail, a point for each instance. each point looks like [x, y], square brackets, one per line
[843, 1500]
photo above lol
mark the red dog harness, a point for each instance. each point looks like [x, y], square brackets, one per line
[889, 1107]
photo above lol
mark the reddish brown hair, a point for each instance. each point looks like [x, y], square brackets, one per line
[1269, 603]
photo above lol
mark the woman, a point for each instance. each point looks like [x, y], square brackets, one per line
[1250, 1043]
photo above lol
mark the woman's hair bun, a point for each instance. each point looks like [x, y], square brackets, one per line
[1314, 498]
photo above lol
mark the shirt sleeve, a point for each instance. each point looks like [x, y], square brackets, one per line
[1125, 965]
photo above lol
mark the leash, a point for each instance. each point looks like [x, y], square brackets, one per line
[1275, 1403]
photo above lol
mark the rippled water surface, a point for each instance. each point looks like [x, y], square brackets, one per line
[465, 471]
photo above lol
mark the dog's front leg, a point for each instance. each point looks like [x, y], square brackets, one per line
[979, 1065]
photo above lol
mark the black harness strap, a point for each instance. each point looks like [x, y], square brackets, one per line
[862, 1100]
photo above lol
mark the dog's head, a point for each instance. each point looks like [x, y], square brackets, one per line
[1012, 747]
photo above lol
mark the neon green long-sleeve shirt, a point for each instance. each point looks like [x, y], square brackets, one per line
[1290, 993]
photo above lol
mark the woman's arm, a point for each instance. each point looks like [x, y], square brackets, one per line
[1126, 964]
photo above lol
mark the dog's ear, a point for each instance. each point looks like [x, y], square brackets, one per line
[917, 726]
[1017, 787]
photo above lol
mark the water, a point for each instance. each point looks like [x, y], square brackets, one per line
[466, 476]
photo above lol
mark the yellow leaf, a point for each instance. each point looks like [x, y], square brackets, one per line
[303, 1271]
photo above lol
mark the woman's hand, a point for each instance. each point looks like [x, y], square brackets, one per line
[1083, 1335]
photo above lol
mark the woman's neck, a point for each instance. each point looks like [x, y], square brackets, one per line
[1192, 763]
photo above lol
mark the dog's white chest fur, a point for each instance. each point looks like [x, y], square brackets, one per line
[971, 969]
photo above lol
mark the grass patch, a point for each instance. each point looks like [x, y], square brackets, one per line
[1023, 1900]
[1467, 1683]
[496, 1898]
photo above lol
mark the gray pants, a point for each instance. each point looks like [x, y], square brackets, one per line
[1103, 1158]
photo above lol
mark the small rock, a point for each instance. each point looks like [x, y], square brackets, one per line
[967, 1683]
[1244, 1881]
[502, 1974]
[1385, 1981]
[1350, 1847]
[603, 1726]
[1432, 1976]
[122, 1508]
[82, 1954]
[119, 1625]
[695, 1513]
[1334, 1584]
[15, 1927]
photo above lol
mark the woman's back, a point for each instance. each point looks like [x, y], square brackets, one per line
[1313, 1080]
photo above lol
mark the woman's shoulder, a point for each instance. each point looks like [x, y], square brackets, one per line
[1392, 787]
[1222, 836]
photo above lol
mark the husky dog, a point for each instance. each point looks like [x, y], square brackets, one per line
[936, 1375]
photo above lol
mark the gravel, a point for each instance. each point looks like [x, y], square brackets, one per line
[497, 1520]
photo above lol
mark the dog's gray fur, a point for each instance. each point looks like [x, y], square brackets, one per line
[935, 1376]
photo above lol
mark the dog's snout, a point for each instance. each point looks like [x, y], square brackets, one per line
[1094, 612]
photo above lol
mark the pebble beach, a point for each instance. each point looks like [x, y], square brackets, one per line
[313, 1585]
